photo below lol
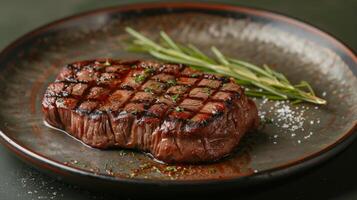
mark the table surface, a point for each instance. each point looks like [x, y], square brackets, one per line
[331, 180]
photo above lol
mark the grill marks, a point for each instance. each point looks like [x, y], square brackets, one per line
[147, 88]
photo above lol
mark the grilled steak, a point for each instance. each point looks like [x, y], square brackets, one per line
[169, 110]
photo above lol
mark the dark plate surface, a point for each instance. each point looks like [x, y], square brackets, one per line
[305, 135]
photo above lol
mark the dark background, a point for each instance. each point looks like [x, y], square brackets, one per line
[332, 180]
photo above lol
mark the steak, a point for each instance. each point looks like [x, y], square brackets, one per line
[175, 113]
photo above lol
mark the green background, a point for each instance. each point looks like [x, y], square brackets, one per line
[332, 180]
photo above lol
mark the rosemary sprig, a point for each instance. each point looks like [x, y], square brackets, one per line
[260, 81]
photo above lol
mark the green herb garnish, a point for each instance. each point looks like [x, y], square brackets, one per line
[148, 90]
[171, 82]
[155, 169]
[139, 78]
[175, 97]
[149, 70]
[171, 169]
[179, 109]
[144, 166]
[207, 90]
[194, 75]
[274, 85]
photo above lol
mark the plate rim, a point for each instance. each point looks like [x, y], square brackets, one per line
[292, 167]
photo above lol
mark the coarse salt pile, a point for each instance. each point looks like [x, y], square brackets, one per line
[288, 117]
[291, 120]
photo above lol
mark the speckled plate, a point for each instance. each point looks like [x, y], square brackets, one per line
[300, 136]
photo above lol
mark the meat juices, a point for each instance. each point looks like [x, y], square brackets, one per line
[177, 114]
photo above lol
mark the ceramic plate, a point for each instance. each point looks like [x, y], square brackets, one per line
[299, 137]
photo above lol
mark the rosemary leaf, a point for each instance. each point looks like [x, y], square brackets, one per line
[168, 41]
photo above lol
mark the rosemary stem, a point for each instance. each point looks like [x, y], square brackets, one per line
[274, 85]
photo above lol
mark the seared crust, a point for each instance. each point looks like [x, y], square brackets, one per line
[175, 113]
